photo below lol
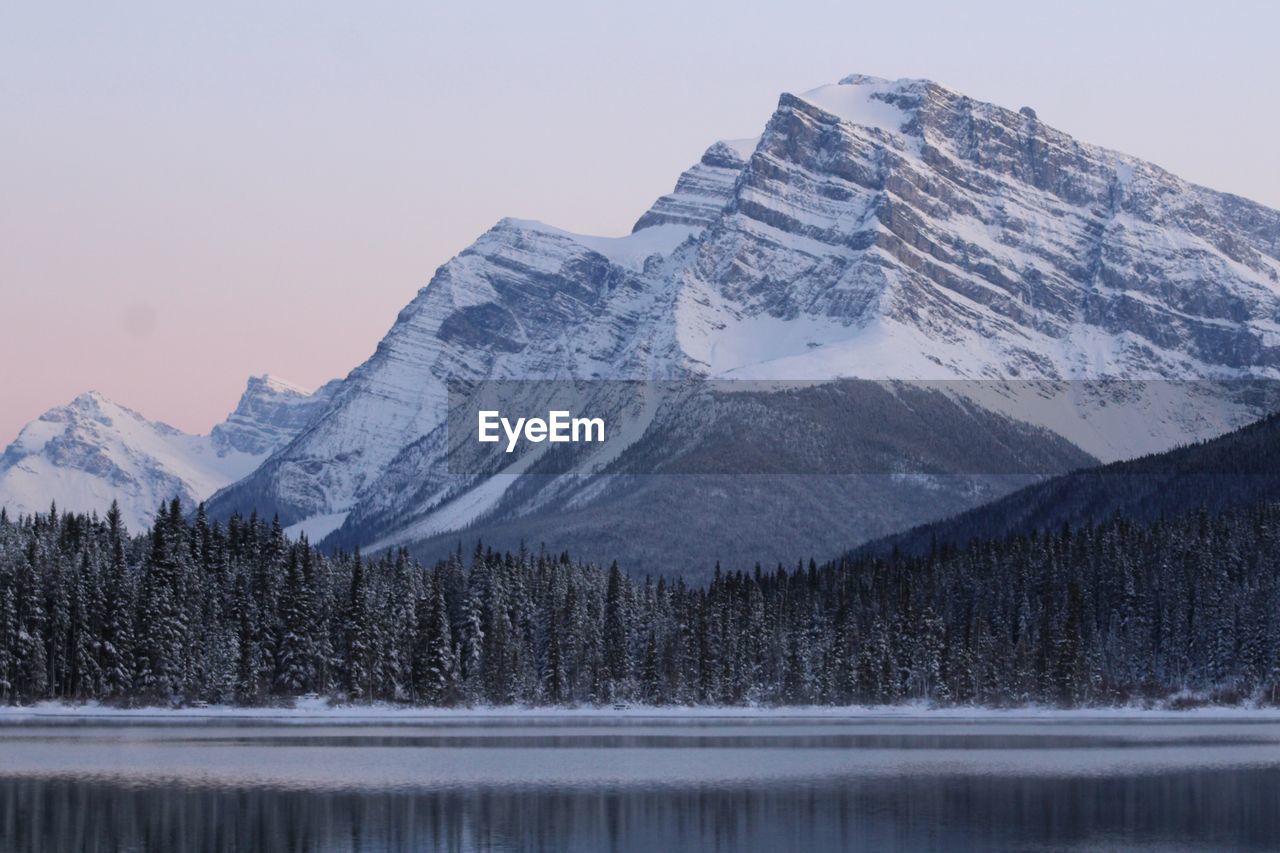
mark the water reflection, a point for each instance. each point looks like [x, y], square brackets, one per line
[1147, 787]
[1212, 810]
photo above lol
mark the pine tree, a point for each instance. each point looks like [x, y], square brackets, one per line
[399, 620]
[247, 652]
[358, 664]
[650, 674]
[116, 660]
[555, 681]
[85, 677]
[295, 656]
[162, 623]
[434, 672]
[9, 651]
[615, 636]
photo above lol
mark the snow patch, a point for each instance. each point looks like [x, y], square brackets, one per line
[861, 103]
[317, 527]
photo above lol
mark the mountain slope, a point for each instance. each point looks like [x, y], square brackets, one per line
[525, 301]
[875, 229]
[92, 451]
[715, 479]
[1234, 471]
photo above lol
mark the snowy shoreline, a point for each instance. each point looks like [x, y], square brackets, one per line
[322, 712]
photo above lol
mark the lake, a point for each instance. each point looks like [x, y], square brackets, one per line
[639, 784]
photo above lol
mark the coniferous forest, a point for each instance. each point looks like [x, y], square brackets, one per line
[198, 611]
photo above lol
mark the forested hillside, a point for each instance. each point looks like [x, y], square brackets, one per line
[1235, 470]
[195, 611]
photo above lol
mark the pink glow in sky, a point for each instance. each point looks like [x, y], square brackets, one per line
[193, 193]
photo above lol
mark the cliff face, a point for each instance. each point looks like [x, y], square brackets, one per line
[996, 245]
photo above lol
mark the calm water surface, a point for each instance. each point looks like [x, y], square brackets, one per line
[639, 785]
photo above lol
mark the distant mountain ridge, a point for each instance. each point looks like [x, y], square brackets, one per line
[875, 229]
[92, 451]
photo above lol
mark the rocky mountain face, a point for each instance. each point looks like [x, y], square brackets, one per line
[92, 451]
[912, 231]
[876, 229]
[271, 411]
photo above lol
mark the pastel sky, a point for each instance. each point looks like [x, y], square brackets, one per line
[191, 193]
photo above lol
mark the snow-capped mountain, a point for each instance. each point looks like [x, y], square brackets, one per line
[92, 451]
[876, 229]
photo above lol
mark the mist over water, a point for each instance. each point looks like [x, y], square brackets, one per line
[643, 785]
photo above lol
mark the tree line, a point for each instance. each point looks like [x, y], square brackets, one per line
[200, 611]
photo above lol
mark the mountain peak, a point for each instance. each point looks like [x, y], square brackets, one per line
[89, 401]
[274, 384]
[861, 80]
[91, 397]
[704, 189]
[885, 83]
[92, 450]
[96, 407]
[868, 104]
[270, 412]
